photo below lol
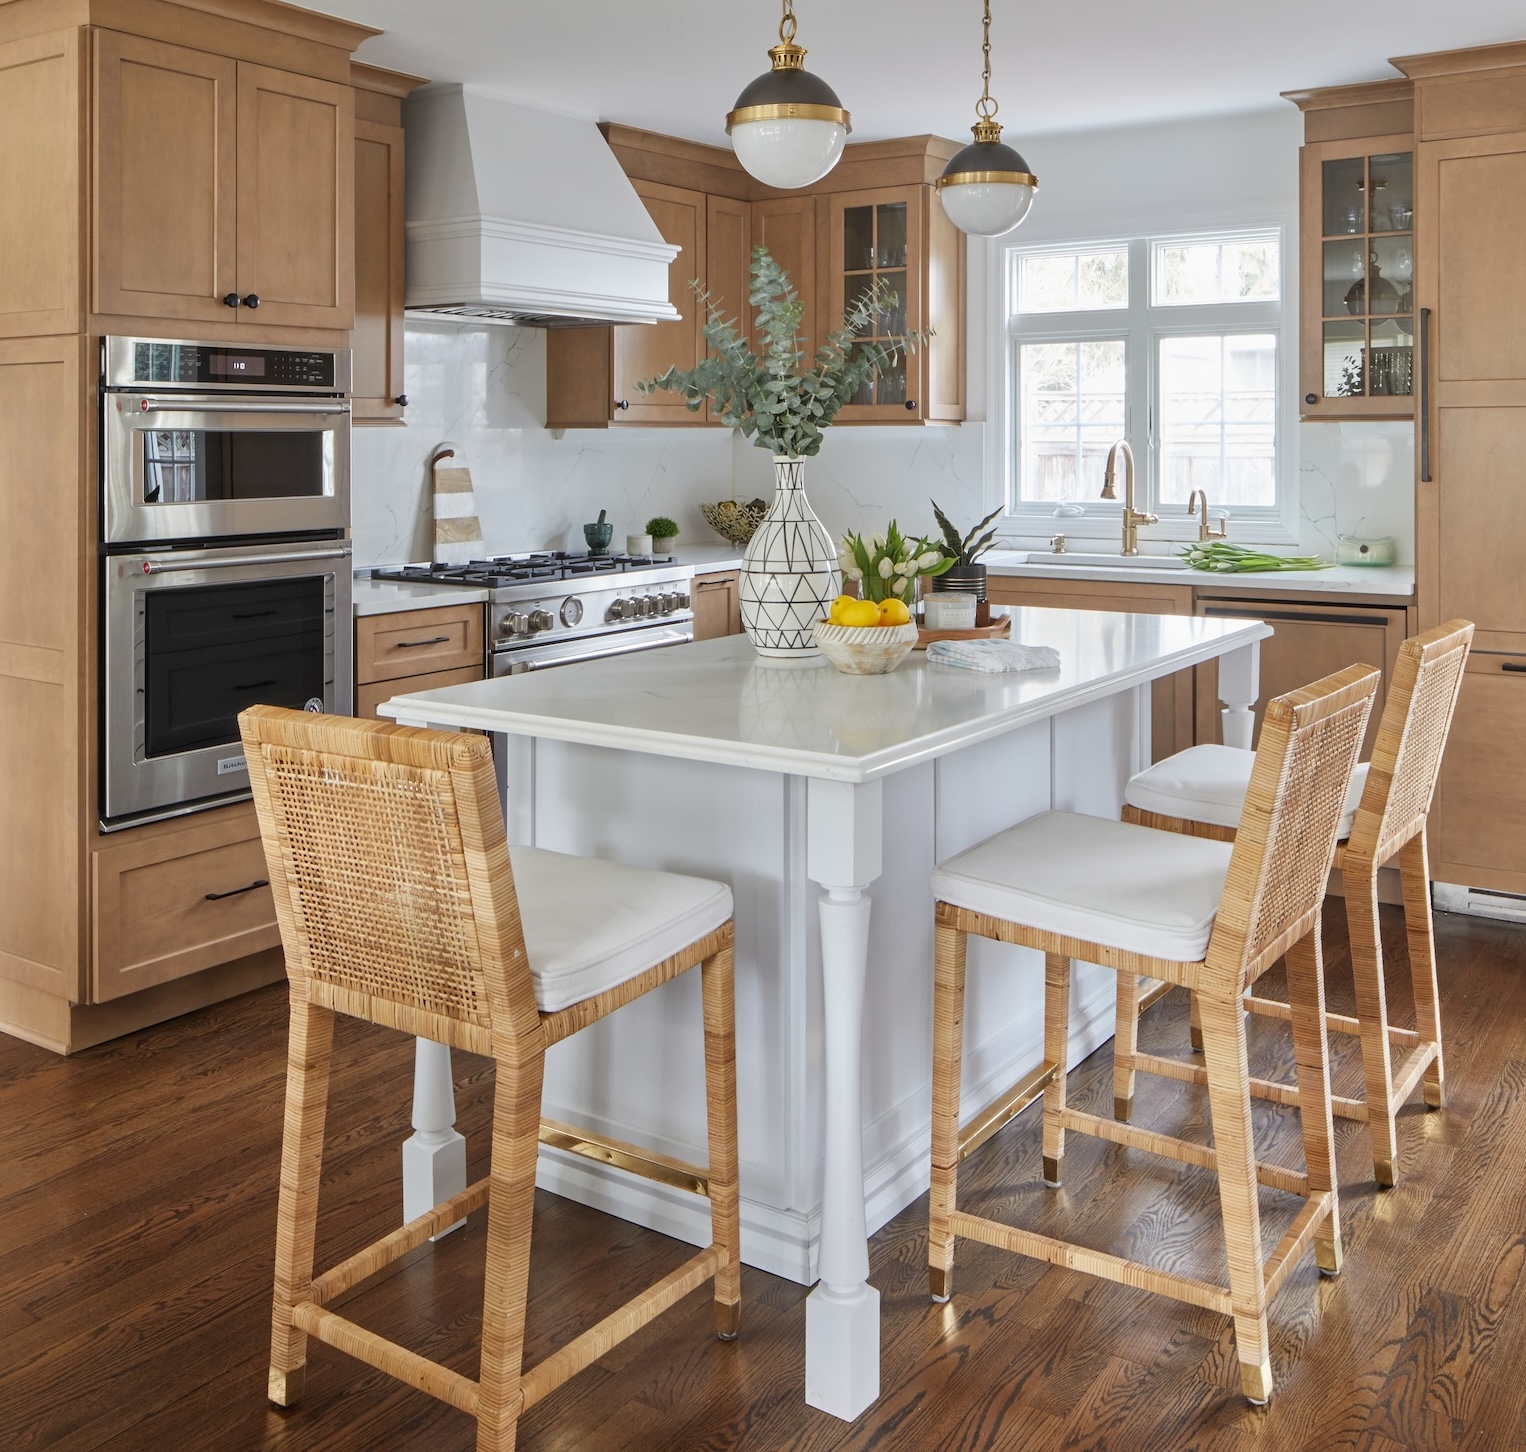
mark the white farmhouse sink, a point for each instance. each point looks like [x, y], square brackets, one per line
[1076, 560]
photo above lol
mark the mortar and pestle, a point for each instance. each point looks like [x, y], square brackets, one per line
[598, 534]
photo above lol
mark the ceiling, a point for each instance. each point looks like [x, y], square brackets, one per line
[903, 67]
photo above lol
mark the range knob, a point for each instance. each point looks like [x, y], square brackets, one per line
[515, 624]
[665, 603]
[541, 620]
[681, 599]
[624, 609]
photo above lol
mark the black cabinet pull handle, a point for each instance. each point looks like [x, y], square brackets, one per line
[251, 300]
[230, 300]
[1513, 665]
[622, 403]
[401, 400]
[433, 640]
[253, 614]
[1425, 395]
[254, 686]
[237, 891]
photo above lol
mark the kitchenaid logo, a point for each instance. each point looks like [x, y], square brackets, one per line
[230, 764]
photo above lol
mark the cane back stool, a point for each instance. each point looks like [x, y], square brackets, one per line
[1189, 910]
[1201, 791]
[397, 897]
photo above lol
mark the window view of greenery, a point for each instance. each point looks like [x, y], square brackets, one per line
[1072, 281]
[1071, 412]
[1192, 273]
[1218, 419]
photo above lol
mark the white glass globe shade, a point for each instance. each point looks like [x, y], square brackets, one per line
[789, 151]
[986, 209]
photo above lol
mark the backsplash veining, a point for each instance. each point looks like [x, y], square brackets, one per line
[1357, 479]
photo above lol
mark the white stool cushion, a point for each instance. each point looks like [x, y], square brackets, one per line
[1108, 882]
[590, 924]
[1208, 784]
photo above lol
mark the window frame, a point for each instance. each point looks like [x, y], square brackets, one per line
[1142, 325]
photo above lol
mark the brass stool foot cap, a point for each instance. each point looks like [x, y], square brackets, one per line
[1328, 1256]
[1256, 1382]
[940, 1283]
[1435, 1096]
[1195, 1037]
[1383, 1173]
[728, 1320]
[1123, 1108]
[286, 1386]
[1052, 1171]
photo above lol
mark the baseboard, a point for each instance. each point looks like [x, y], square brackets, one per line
[1479, 902]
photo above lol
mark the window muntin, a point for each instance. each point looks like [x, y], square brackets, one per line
[1089, 279]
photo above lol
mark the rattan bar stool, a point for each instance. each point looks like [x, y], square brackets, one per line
[1189, 910]
[1201, 791]
[397, 903]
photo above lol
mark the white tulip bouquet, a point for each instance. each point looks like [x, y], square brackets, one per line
[887, 566]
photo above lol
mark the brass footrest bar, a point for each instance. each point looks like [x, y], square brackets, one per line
[1300, 1233]
[1340, 1023]
[1269, 1089]
[381, 1253]
[545, 1376]
[1181, 1150]
[418, 1371]
[1153, 995]
[1002, 1110]
[1093, 1262]
[1407, 1075]
[647, 1163]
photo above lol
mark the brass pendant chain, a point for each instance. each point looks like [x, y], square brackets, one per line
[787, 24]
[985, 107]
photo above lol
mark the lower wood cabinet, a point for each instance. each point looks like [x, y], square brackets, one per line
[717, 605]
[416, 650]
[1310, 641]
[1171, 716]
[170, 900]
[369, 697]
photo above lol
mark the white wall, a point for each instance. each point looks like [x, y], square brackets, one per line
[483, 389]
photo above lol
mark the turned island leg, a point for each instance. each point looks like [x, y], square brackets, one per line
[1239, 686]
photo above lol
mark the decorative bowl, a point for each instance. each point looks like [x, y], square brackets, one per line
[736, 523]
[865, 650]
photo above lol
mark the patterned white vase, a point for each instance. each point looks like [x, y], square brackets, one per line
[789, 573]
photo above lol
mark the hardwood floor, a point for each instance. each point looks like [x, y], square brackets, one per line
[137, 1212]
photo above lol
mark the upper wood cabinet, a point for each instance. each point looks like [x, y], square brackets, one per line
[1357, 212]
[224, 190]
[376, 340]
[787, 227]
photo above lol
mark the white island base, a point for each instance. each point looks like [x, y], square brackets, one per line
[825, 801]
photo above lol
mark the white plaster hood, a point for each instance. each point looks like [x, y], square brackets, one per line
[521, 216]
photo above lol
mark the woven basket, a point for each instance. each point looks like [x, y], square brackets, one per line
[736, 523]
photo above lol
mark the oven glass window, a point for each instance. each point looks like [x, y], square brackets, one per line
[187, 466]
[210, 651]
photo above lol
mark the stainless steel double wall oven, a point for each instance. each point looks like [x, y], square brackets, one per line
[225, 510]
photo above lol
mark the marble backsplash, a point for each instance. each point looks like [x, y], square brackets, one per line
[481, 391]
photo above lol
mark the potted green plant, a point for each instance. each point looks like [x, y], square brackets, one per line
[663, 532]
[789, 573]
[965, 574]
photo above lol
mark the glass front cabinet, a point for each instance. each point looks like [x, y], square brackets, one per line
[1357, 317]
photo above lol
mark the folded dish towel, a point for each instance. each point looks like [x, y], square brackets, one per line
[993, 655]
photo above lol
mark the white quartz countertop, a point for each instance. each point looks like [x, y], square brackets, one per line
[708, 559]
[718, 701]
[387, 597]
[1339, 580]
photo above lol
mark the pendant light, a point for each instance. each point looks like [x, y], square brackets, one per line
[788, 127]
[987, 188]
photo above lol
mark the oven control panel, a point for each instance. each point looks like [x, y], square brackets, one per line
[159, 363]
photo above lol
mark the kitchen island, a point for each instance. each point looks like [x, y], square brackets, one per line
[825, 800]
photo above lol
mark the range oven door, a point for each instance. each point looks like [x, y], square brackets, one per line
[191, 638]
[209, 466]
[589, 647]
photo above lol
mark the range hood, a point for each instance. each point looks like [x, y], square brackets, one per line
[520, 216]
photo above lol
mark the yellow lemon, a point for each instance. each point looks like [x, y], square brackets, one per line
[841, 603]
[894, 612]
[859, 613]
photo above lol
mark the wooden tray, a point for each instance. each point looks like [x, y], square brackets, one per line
[998, 629]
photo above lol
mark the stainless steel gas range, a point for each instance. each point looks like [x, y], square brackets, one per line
[555, 607]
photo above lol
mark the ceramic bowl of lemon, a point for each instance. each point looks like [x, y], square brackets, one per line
[861, 638]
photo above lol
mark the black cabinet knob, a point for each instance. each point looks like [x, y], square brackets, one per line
[230, 300]
[622, 403]
[911, 405]
[252, 300]
[401, 400]
[1311, 398]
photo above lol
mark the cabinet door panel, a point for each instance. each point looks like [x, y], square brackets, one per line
[717, 606]
[166, 155]
[368, 698]
[787, 227]
[377, 338]
[1479, 832]
[643, 351]
[726, 267]
[296, 199]
[413, 642]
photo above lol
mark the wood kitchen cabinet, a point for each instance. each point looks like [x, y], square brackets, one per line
[1357, 212]
[1171, 714]
[416, 650]
[219, 179]
[376, 341]
[717, 605]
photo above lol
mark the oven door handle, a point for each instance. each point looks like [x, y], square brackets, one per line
[166, 567]
[149, 404]
[684, 638]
